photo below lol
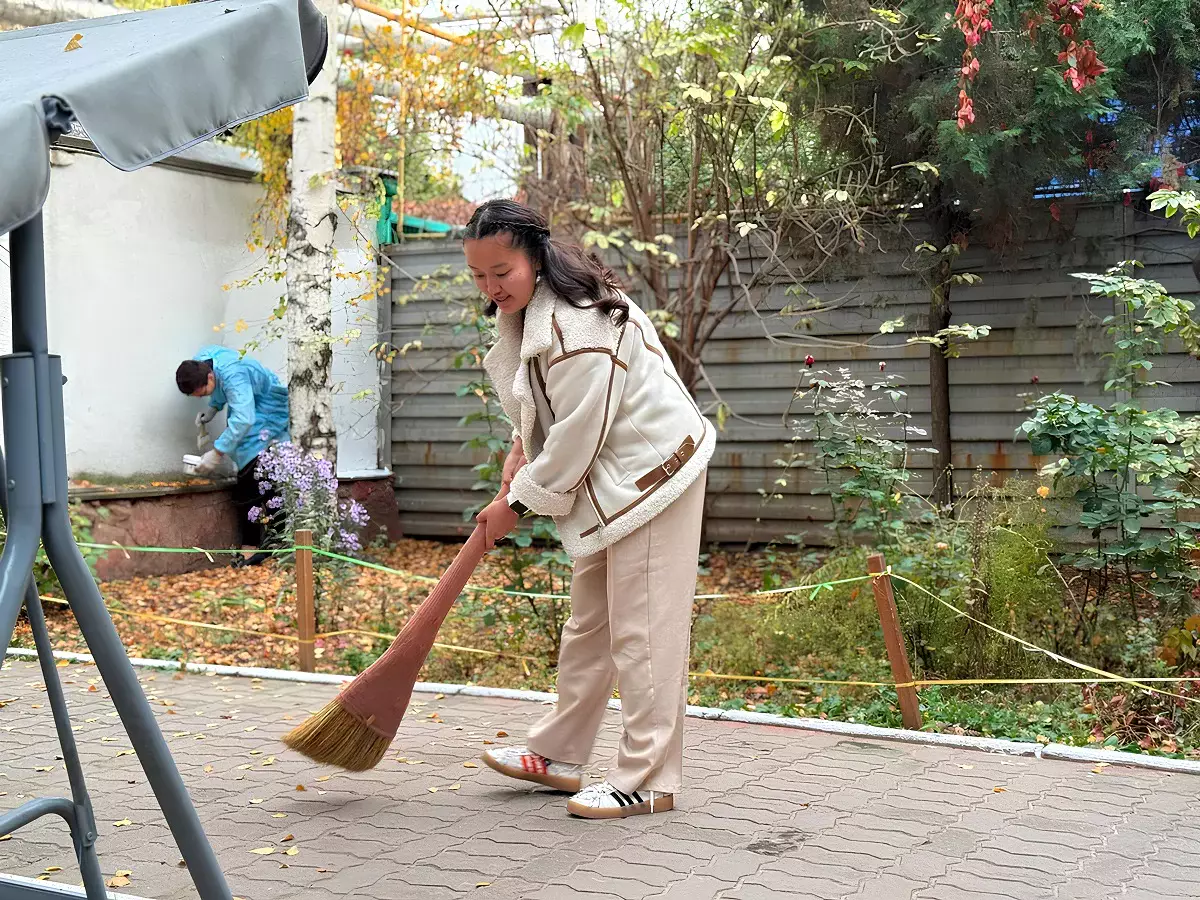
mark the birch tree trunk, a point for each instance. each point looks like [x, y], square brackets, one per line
[312, 222]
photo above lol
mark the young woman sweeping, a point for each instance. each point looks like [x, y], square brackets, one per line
[609, 443]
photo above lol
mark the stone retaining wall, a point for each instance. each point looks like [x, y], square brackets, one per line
[195, 518]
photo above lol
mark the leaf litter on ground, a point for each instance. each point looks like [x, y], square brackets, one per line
[261, 599]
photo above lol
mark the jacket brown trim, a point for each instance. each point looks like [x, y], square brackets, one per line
[612, 376]
[537, 370]
[687, 395]
[587, 484]
[567, 356]
[646, 343]
[608, 520]
[558, 331]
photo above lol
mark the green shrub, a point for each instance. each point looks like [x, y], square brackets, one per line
[834, 622]
[1131, 472]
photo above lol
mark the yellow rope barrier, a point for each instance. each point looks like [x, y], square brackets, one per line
[1101, 675]
[709, 675]
[927, 682]
[470, 588]
[291, 638]
[1028, 645]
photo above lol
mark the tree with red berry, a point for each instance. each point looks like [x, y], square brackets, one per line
[1006, 101]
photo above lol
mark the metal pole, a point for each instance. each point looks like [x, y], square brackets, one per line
[23, 483]
[28, 263]
[28, 280]
[83, 823]
[18, 393]
[123, 687]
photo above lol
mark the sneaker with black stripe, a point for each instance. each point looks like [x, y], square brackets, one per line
[603, 801]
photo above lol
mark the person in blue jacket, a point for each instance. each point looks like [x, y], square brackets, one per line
[258, 417]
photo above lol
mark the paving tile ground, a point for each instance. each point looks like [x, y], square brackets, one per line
[769, 813]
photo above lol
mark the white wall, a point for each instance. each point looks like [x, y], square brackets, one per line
[136, 264]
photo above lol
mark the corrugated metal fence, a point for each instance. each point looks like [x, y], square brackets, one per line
[1045, 325]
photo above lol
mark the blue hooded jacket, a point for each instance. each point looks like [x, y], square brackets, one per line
[257, 400]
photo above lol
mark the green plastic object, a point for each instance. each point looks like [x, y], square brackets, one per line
[386, 228]
[413, 225]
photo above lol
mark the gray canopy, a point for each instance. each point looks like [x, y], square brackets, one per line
[145, 85]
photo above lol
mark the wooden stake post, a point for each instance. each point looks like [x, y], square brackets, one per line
[885, 600]
[306, 619]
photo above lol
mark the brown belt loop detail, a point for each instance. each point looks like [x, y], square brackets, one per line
[670, 466]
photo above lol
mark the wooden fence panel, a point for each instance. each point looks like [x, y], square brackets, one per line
[1046, 327]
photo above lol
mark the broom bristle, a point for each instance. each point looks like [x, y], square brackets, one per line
[335, 736]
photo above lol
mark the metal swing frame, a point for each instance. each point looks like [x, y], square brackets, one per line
[33, 495]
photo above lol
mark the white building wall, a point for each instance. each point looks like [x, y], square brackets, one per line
[136, 264]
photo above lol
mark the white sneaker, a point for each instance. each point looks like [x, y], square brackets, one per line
[522, 763]
[603, 801]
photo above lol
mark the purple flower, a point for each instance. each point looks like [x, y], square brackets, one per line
[255, 513]
[305, 489]
[358, 514]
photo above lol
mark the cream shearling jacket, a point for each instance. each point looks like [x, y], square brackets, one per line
[611, 435]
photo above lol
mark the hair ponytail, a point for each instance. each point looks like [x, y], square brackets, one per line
[578, 277]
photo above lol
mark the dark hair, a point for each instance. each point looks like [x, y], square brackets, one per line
[575, 275]
[192, 375]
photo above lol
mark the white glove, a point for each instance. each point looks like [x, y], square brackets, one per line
[210, 462]
[203, 418]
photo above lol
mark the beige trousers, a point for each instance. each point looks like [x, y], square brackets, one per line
[631, 617]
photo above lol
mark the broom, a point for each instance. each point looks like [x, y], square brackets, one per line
[354, 729]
